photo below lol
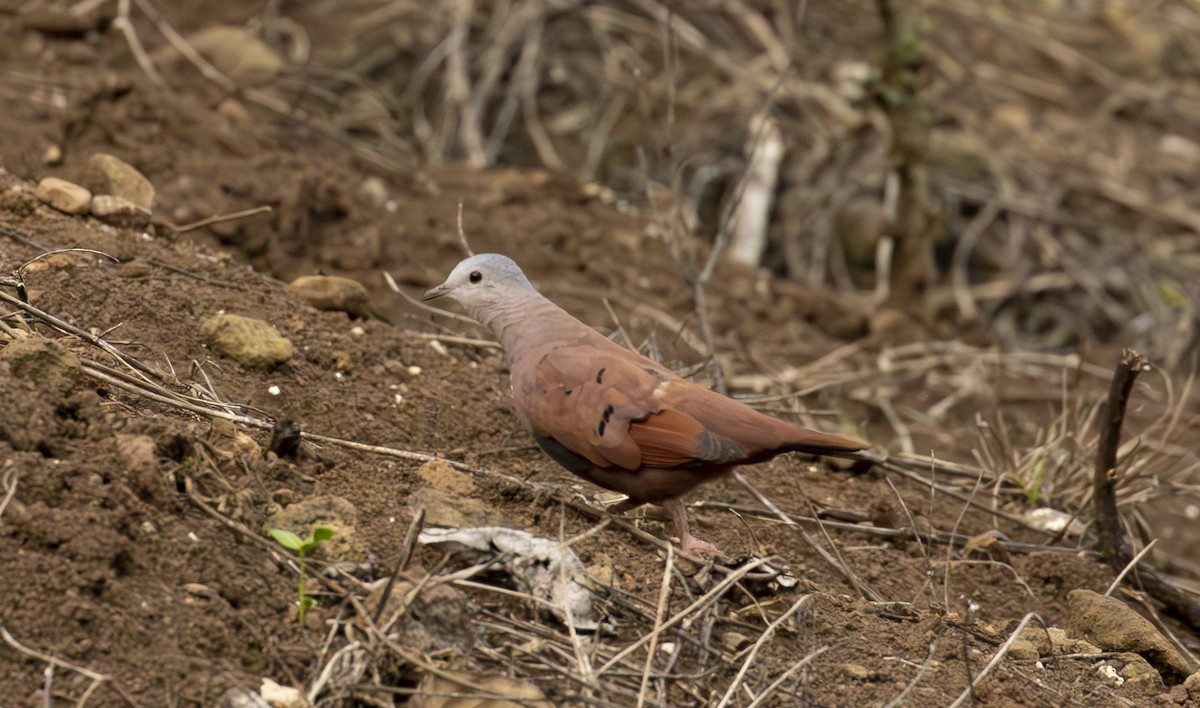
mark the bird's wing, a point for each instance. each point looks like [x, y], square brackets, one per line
[609, 406]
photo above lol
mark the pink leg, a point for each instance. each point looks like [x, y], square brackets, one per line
[688, 542]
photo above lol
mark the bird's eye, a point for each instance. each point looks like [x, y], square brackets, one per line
[475, 276]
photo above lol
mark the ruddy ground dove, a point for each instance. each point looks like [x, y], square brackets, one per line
[610, 415]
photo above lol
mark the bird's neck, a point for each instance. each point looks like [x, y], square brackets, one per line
[521, 320]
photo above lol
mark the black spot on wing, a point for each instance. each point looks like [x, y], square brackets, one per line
[608, 411]
[560, 454]
[600, 375]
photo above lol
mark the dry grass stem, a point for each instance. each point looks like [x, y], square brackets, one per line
[50, 660]
[705, 600]
[134, 365]
[664, 595]
[834, 559]
[222, 218]
[391, 282]
[20, 272]
[950, 550]
[182, 46]
[11, 476]
[767, 634]
[123, 23]
[774, 685]
[912, 524]
[462, 233]
[936, 537]
[410, 544]
[969, 692]
[1130, 566]
[901, 697]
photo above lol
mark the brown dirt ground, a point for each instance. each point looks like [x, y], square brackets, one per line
[110, 563]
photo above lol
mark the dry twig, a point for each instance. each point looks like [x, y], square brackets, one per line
[10, 485]
[834, 559]
[763, 638]
[969, 692]
[1112, 543]
[664, 595]
[95, 676]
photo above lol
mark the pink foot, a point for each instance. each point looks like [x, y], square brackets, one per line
[687, 542]
[691, 544]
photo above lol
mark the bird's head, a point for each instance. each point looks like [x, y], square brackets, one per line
[482, 281]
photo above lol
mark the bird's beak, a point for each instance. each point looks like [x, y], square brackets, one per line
[436, 292]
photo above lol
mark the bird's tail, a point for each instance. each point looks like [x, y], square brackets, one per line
[813, 443]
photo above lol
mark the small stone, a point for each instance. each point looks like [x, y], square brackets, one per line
[119, 212]
[108, 174]
[43, 362]
[1059, 641]
[1040, 639]
[331, 292]
[65, 196]
[857, 672]
[238, 697]
[246, 447]
[602, 574]
[52, 155]
[278, 696]
[1178, 155]
[1023, 649]
[233, 111]
[238, 53]
[735, 641]
[251, 342]
[374, 191]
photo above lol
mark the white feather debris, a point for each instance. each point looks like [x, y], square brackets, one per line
[540, 566]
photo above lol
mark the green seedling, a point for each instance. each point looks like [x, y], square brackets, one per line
[302, 547]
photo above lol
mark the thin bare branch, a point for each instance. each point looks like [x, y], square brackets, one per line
[969, 692]
[766, 636]
[1112, 541]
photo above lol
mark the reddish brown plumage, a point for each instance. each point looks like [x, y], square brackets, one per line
[610, 415]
